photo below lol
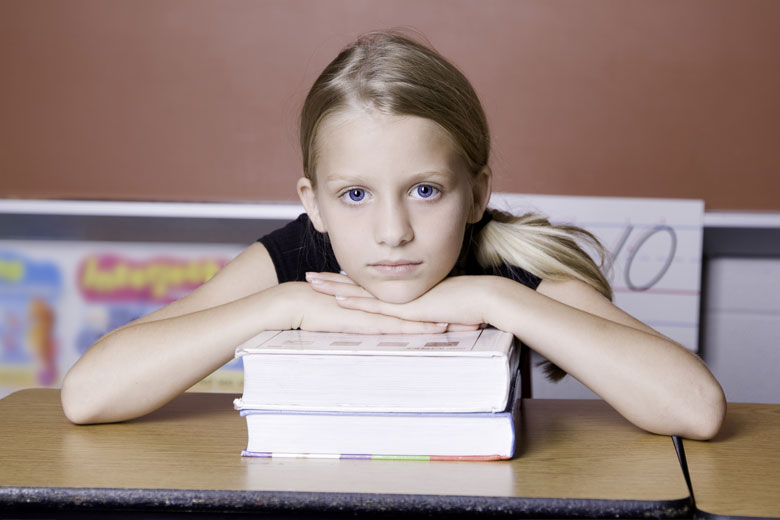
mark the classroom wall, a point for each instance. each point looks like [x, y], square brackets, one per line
[196, 99]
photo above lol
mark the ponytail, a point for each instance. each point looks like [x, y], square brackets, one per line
[545, 250]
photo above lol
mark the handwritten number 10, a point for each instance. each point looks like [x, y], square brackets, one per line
[633, 251]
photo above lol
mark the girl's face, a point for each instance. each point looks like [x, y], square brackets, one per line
[394, 198]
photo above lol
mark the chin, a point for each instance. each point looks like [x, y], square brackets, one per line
[397, 292]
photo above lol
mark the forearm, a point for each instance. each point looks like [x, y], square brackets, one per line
[652, 381]
[138, 368]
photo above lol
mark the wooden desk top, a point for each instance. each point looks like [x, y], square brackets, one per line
[572, 456]
[738, 472]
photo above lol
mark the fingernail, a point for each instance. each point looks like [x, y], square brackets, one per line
[341, 298]
[313, 278]
[443, 324]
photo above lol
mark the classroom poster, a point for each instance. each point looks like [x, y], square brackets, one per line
[30, 292]
[58, 297]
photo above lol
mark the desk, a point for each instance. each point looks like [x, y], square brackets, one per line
[574, 458]
[738, 472]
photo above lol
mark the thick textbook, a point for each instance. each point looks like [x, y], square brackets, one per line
[366, 435]
[456, 372]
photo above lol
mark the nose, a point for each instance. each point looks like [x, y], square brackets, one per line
[392, 225]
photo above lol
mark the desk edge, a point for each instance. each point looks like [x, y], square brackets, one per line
[49, 499]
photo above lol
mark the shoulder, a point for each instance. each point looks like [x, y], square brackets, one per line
[515, 273]
[294, 230]
[472, 267]
[297, 248]
[468, 264]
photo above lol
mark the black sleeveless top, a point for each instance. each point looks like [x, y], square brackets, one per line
[298, 248]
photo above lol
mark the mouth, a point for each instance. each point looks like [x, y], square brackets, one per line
[395, 267]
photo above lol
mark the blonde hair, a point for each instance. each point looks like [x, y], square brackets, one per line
[395, 74]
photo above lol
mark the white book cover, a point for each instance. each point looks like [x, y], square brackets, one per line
[381, 436]
[485, 342]
[449, 372]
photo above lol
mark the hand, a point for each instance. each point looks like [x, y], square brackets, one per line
[336, 284]
[321, 312]
[455, 301]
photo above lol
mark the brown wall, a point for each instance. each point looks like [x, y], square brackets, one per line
[197, 99]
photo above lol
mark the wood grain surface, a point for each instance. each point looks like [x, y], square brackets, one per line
[567, 449]
[738, 472]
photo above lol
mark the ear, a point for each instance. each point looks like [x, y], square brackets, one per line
[309, 200]
[481, 189]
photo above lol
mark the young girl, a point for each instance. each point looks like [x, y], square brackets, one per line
[396, 238]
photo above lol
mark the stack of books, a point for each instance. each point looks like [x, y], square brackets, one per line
[450, 396]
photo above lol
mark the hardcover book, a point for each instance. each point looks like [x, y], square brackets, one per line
[371, 435]
[311, 371]
[450, 396]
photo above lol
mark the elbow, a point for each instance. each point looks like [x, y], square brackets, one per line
[77, 404]
[706, 421]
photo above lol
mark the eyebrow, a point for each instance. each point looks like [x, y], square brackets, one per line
[347, 178]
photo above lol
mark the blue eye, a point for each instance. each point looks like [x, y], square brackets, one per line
[356, 194]
[425, 191]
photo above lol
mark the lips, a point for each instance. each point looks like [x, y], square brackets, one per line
[395, 267]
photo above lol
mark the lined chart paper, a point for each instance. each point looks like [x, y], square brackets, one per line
[654, 252]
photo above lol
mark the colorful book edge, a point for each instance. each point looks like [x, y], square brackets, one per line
[360, 456]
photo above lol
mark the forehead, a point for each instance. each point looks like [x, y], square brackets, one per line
[359, 136]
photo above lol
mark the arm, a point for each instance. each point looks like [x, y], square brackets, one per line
[652, 381]
[146, 363]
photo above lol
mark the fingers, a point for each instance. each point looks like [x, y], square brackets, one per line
[379, 317]
[335, 285]
[402, 311]
[366, 323]
[368, 304]
[456, 327]
[320, 312]
[329, 277]
[390, 325]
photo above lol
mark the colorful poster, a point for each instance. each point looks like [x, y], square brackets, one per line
[58, 297]
[118, 288]
[30, 291]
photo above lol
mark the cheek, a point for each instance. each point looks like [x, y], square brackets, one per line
[447, 231]
[348, 241]
[453, 246]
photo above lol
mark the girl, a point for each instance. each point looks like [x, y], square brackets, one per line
[396, 238]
